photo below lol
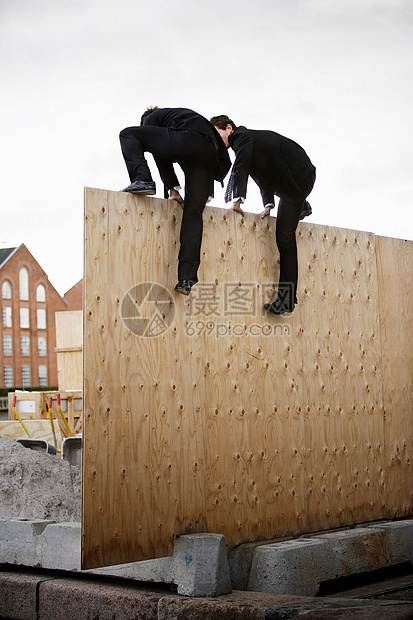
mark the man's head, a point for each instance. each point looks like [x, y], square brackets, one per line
[147, 112]
[224, 126]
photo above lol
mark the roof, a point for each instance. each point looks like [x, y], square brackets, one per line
[5, 254]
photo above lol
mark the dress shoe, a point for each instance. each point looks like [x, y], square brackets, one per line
[280, 306]
[184, 286]
[306, 210]
[141, 187]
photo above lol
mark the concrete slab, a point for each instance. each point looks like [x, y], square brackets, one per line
[198, 567]
[156, 571]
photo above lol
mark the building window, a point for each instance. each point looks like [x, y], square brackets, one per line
[26, 377]
[24, 318]
[6, 316]
[41, 318]
[41, 293]
[6, 290]
[25, 345]
[24, 284]
[7, 345]
[8, 376]
[42, 346]
[42, 375]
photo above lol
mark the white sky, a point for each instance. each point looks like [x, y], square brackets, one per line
[334, 75]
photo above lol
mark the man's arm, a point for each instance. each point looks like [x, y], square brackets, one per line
[242, 145]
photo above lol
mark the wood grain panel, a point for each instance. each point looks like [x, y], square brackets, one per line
[207, 413]
[344, 412]
[395, 268]
[146, 394]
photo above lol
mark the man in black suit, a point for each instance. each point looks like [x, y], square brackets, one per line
[187, 138]
[279, 166]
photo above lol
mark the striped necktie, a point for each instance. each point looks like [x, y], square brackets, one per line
[230, 187]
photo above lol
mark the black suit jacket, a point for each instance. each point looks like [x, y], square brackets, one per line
[185, 119]
[277, 164]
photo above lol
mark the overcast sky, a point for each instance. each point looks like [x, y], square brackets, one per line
[334, 75]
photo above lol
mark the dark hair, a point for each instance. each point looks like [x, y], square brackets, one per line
[147, 112]
[222, 121]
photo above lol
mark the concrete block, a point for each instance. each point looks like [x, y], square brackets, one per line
[360, 550]
[200, 565]
[240, 561]
[18, 595]
[295, 567]
[20, 541]
[77, 599]
[399, 540]
[61, 546]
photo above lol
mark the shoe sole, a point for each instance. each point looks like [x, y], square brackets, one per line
[141, 192]
[182, 291]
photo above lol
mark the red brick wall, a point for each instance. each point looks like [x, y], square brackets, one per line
[54, 303]
[74, 297]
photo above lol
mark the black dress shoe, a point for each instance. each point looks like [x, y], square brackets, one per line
[184, 286]
[306, 210]
[280, 307]
[141, 187]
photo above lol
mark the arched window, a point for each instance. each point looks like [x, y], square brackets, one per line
[41, 293]
[24, 284]
[6, 290]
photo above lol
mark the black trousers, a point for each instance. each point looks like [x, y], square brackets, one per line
[198, 159]
[288, 216]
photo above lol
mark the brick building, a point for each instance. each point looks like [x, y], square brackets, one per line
[27, 329]
[74, 296]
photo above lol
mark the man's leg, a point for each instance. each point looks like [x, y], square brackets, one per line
[198, 159]
[199, 175]
[287, 220]
[133, 151]
[288, 216]
[162, 142]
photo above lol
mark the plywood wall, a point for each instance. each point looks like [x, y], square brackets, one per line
[395, 272]
[214, 416]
